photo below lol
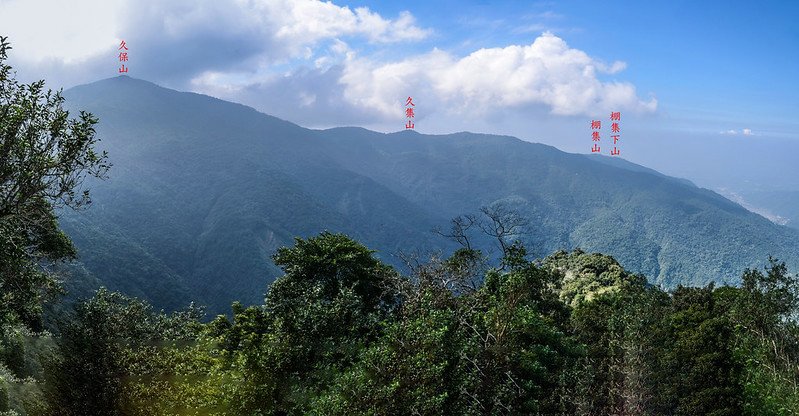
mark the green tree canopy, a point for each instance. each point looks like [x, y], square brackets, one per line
[45, 157]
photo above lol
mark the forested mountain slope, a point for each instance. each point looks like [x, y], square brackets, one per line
[203, 191]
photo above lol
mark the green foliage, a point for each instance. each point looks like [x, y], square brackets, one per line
[336, 281]
[22, 377]
[702, 374]
[185, 377]
[587, 276]
[620, 330]
[341, 333]
[412, 369]
[489, 351]
[112, 340]
[44, 158]
[765, 315]
[318, 317]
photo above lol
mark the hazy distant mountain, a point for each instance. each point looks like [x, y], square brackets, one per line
[780, 206]
[203, 191]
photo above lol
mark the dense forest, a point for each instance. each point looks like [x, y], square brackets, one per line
[342, 333]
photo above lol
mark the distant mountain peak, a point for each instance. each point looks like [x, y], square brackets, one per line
[203, 191]
[120, 80]
[125, 96]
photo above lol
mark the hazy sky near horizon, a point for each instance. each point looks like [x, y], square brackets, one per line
[698, 83]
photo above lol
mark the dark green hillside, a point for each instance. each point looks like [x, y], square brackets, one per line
[203, 191]
[196, 206]
[661, 226]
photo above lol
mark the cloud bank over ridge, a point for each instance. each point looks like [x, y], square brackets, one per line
[314, 62]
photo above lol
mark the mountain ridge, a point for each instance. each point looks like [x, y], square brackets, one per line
[203, 191]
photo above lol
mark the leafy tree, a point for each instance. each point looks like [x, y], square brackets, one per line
[701, 374]
[621, 333]
[412, 369]
[317, 318]
[184, 375]
[44, 158]
[765, 310]
[454, 351]
[322, 271]
[112, 341]
[22, 353]
[615, 316]
[586, 276]
[519, 355]
[771, 299]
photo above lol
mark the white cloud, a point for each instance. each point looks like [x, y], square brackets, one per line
[176, 40]
[309, 55]
[306, 22]
[545, 72]
[733, 132]
[68, 32]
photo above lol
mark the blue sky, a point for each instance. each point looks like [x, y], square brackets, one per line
[703, 87]
[730, 61]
